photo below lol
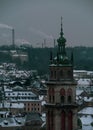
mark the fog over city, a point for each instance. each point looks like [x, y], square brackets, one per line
[37, 20]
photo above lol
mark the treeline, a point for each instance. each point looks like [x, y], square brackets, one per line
[38, 58]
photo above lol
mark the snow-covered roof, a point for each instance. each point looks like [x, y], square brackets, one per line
[12, 122]
[87, 111]
[18, 88]
[88, 99]
[79, 71]
[20, 93]
[87, 127]
[86, 120]
[7, 89]
[41, 97]
[83, 81]
[78, 92]
[12, 105]
[43, 117]
[43, 103]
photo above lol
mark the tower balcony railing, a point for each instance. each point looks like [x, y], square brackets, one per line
[61, 81]
[62, 105]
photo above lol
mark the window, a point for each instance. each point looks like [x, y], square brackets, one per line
[62, 95]
[69, 99]
[49, 98]
[69, 94]
[61, 73]
[69, 73]
[51, 74]
[51, 95]
[55, 74]
[62, 99]
[53, 98]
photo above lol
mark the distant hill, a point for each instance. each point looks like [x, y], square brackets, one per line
[38, 58]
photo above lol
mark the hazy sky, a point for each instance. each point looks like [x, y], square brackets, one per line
[36, 20]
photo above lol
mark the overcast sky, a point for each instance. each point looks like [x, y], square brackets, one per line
[36, 20]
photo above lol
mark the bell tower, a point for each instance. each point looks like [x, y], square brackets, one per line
[61, 108]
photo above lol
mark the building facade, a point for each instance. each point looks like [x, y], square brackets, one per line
[29, 99]
[61, 107]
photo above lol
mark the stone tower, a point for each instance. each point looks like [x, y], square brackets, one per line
[61, 108]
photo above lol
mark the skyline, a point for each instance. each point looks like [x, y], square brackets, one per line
[35, 21]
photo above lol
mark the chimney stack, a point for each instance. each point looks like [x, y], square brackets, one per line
[13, 42]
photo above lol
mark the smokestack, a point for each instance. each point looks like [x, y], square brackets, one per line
[54, 43]
[44, 42]
[13, 42]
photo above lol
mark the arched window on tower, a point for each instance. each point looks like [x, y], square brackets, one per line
[69, 95]
[69, 73]
[51, 94]
[51, 73]
[62, 95]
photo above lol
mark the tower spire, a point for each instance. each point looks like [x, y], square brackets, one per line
[61, 33]
[61, 42]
